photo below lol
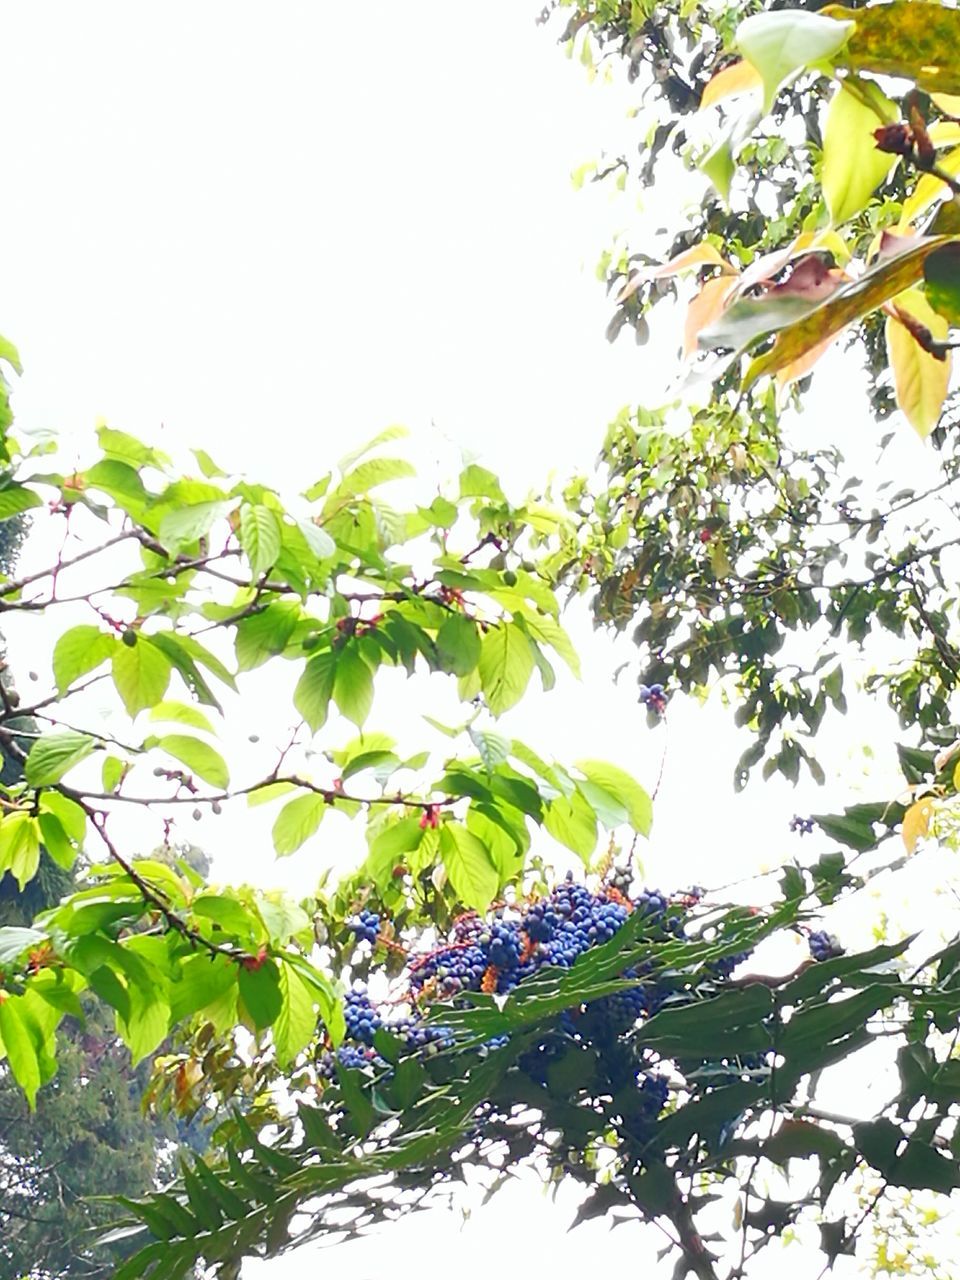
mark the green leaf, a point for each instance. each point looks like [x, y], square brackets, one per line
[260, 537]
[54, 755]
[468, 864]
[315, 689]
[619, 784]
[20, 1047]
[458, 645]
[549, 632]
[181, 713]
[199, 757]
[20, 846]
[353, 685]
[853, 168]
[494, 748]
[9, 353]
[478, 482]
[126, 448]
[368, 475]
[69, 814]
[389, 845]
[849, 831]
[120, 481]
[296, 1022]
[15, 499]
[190, 647]
[186, 525]
[297, 821]
[79, 651]
[141, 674]
[318, 540]
[941, 271]
[260, 992]
[112, 771]
[572, 822]
[395, 432]
[56, 841]
[783, 43]
[506, 664]
[15, 940]
[207, 465]
[147, 1026]
[232, 916]
[266, 633]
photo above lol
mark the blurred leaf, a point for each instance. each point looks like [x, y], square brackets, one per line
[54, 755]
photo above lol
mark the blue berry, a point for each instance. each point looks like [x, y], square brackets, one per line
[824, 946]
[366, 926]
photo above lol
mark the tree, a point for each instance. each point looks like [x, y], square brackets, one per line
[89, 1137]
[604, 1031]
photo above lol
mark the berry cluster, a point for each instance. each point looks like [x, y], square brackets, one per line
[654, 697]
[496, 952]
[365, 925]
[823, 945]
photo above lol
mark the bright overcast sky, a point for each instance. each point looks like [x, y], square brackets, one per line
[271, 230]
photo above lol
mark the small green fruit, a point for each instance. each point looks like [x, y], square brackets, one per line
[129, 638]
[509, 577]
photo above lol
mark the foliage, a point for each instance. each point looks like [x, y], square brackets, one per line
[650, 1059]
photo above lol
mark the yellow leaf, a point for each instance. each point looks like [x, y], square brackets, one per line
[898, 266]
[704, 309]
[948, 103]
[903, 38]
[916, 823]
[930, 188]
[944, 132]
[920, 380]
[853, 168]
[801, 367]
[739, 77]
[701, 255]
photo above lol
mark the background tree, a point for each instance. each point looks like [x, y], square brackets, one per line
[602, 1031]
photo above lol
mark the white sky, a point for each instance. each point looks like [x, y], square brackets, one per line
[273, 230]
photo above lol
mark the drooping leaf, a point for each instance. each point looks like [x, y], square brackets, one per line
[260, 536]
[297, 821]
[141, 673]
[921, 381]
[573, 822]
[21, 1050]
[619, 784]
[315, 689]
[296, 1022]
[20, 846]
[506, 665]
[80, 651]
[468, 864]
[458, 645]
[353, 685]
[261, 993]
[853, 168]
[265, 633]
